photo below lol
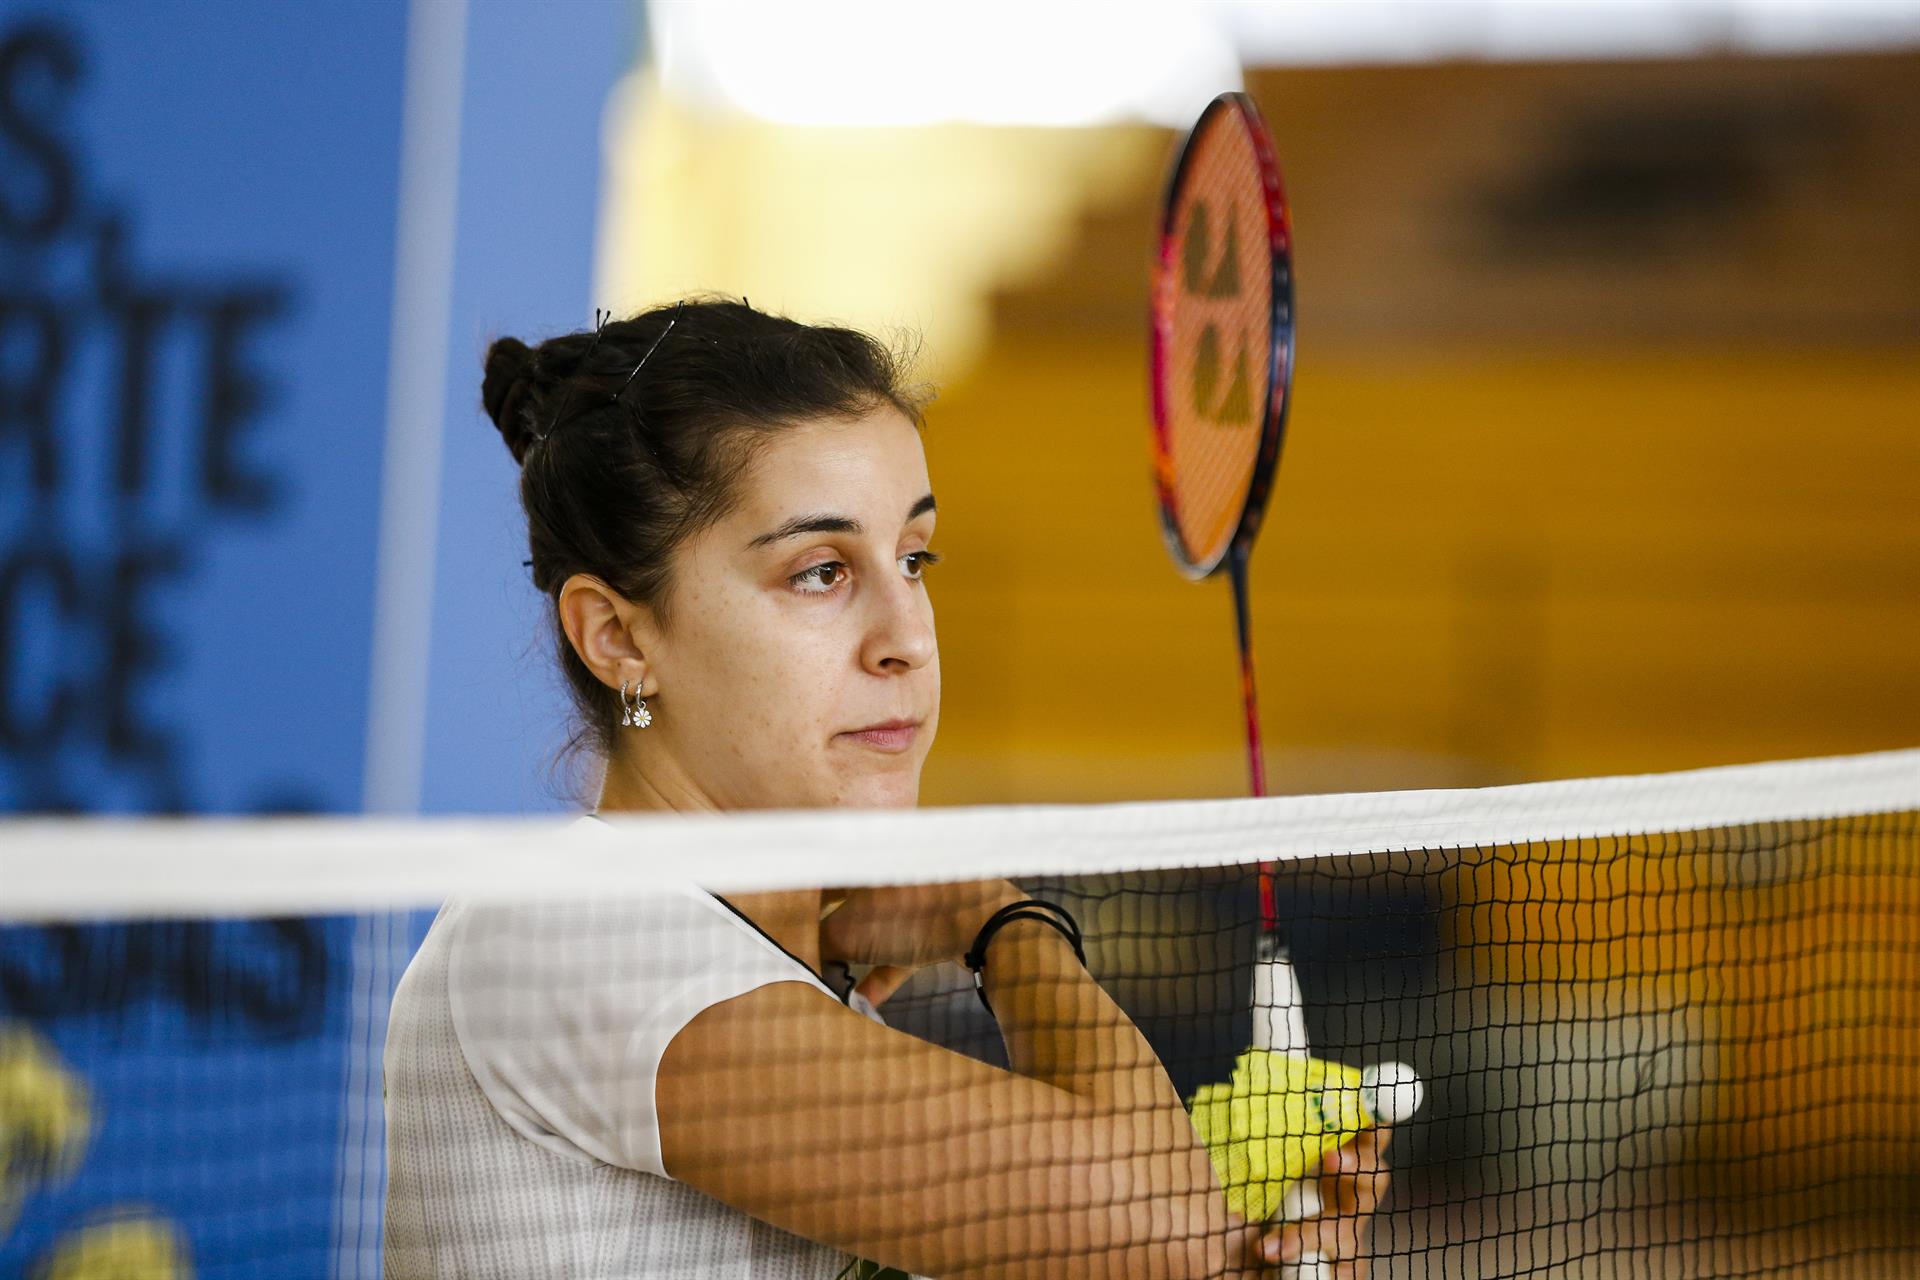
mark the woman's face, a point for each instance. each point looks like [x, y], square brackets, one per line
[800, 668]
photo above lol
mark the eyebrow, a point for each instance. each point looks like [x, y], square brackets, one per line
[832, 524]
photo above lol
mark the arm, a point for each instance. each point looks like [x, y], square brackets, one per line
[1078, 1163]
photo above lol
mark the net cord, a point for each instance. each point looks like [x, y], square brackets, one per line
[80, 869]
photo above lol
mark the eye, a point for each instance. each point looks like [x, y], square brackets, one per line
[820, 580]
[915, 563]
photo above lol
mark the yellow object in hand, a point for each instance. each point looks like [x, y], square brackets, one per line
[1276, 1118]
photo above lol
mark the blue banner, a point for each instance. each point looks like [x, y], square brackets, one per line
[202, 204]
[197, 222]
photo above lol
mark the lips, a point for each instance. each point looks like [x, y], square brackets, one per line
[887, 735]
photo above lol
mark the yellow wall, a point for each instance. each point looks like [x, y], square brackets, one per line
[1479, 566]
[1782, 961]
[1604, 452]
[1673, 523]
[1626, 483]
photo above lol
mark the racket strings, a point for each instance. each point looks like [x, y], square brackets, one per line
[1216, 302]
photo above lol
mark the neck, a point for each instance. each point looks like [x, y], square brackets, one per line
[790, 917]
[629, 788]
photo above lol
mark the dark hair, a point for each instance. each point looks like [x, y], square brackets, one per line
[614, 475]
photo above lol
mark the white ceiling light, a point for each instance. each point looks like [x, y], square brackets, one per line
[1055, 62]
[912, 62]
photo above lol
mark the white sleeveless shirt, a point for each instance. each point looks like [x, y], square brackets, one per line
[521, 1054]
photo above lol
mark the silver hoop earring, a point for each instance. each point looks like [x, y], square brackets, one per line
[634, 714]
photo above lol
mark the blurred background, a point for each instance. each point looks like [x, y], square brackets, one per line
[1602, 459]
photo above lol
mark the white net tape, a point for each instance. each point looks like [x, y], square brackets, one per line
[77, 869]
[1665, 1025]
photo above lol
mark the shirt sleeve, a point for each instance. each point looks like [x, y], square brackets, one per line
[564, 1010]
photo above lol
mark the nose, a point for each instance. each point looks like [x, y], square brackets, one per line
[899, 635]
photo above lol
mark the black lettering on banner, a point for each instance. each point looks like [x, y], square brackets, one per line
[99, 517]
[254, 979]
[30, 723]
[236, 395]
[37, 60]
[136, 653]
[33, 356]
[142, 320]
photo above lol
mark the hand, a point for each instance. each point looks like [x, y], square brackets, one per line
[1350, 1182]
[901, 928]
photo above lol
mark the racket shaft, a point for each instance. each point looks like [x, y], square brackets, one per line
[1249, 695]
[1280, 1025]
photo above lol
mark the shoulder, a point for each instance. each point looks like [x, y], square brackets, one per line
[660, 934]
[563, 1010]
[532, 967]
[637, 945]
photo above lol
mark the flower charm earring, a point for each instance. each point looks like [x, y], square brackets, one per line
[634, 714]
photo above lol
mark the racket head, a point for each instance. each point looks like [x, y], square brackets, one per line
[1221, 336]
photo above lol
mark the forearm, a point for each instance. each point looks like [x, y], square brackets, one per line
[843, 1131]
[1063, 1029]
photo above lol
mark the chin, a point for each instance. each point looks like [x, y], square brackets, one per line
[882, 791]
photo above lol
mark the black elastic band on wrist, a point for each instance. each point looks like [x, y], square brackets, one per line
[1049, 913]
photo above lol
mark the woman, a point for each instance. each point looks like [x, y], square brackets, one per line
[732, 514]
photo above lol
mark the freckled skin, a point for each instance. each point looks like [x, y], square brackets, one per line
[757, 677]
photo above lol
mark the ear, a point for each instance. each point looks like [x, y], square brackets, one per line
[611, 634]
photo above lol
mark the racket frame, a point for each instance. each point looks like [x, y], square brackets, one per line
[1280, 346]
[1238, 549]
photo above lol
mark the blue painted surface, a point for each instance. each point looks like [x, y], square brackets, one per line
[208, 1058]
[240, 160]
[529, 195]
[186, 627]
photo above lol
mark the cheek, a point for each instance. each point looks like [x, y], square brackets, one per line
[772, 683]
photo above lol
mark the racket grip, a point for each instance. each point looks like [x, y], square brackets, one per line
[1279, 1014]
[1390, 1092]
[1302, 1201]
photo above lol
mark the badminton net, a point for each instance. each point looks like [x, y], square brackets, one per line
[1665, 1025]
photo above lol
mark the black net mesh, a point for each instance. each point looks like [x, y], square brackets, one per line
[1690, 1053]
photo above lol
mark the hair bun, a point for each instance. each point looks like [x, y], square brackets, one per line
[507, 391]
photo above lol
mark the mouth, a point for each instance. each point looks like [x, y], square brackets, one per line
[891, 736]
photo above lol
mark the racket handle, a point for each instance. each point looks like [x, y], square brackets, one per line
[1390, 1092]
[1279, 1015]
[1280, 1025]
[1301, 1202]
[1312, 1266]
